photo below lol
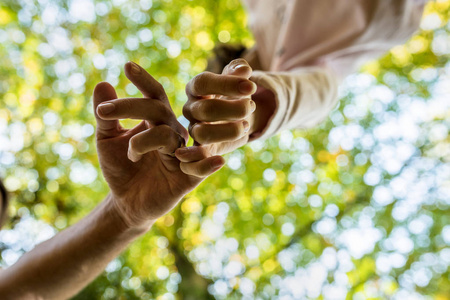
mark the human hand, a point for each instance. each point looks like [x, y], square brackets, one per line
[146, 181]
[220, 108]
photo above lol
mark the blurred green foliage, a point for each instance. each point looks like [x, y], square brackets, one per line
[356, 208]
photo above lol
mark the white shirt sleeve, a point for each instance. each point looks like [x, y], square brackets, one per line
[304, 97]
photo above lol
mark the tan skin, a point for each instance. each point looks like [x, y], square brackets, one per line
[142, 152]
[226, 111]
[146, 182]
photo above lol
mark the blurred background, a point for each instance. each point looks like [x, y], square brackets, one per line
[356, 208]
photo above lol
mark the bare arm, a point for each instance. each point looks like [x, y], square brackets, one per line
[146, 182]
[63, 265]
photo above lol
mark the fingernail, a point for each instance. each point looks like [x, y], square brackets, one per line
[238, 67]
[247, 87]
[252, 106]
[246, 126]
[106, 108]
[217, 163]
[135, 69]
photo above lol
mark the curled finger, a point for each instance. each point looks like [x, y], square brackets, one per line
[202, 168]
[191, 154]
[161, 138]
[207, 83]
[212, 110]
[205, 133]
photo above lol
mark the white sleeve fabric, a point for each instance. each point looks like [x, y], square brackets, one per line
[304, 97]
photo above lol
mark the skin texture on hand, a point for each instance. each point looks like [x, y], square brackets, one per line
[146, 181]
[220, 108]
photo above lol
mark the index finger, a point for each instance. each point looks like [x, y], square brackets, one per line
[151, 88]
[137, 108]
[145, 82]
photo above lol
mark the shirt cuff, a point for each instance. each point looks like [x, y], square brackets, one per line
[304, 97]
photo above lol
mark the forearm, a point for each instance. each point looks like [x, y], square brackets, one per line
[63, 265]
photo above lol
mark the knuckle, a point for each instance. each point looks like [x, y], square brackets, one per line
[187, 111]
[203, 153]
[188, 88]
[231, 83]
[200, 82]
[165, 131]
[183, 168]
[135, 145]
[158, 106]
[164, 112]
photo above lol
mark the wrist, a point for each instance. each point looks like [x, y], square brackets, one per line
[265, 108]
[120, 220]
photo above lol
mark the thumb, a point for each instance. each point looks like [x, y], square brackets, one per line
[105, 128]
[238, 67]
